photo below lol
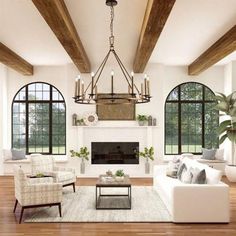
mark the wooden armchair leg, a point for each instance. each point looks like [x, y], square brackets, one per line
[21, 214]
[74, 187]
[15, 206]
[59, 207]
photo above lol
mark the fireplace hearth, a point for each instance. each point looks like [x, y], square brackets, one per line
[115, 152]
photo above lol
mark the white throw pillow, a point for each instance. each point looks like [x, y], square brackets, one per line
[213, 176]
[188, 155]
[188, 162]
[219, 154]
[186, 176]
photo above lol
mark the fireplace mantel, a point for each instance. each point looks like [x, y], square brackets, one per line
[83, 130]
[116, 126]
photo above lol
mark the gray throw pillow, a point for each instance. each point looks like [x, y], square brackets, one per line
[208, 154]
[18, 154]
[199, 176]
[171, 173]
[182, 167]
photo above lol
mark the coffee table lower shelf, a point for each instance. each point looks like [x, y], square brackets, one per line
[99, 195]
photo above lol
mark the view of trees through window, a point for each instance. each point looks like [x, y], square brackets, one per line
[39, 120]
[190, 119]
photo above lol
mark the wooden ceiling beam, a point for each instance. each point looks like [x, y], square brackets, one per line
[59, 20]
[220, 49]
[11, 59]
[156, 15]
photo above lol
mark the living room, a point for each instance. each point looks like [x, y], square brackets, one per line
[127, 120]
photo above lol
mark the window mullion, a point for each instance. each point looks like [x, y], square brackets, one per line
[50, 122]
[26, 121]
[203, 117]
[179, 122]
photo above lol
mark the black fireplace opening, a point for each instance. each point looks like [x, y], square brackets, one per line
[115, 152]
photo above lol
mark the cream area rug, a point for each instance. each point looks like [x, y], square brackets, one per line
[80, 207]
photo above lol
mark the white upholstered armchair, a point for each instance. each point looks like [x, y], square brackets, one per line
[45, 165]
[37, 192]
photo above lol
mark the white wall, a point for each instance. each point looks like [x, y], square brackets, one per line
[3, 112]
[228, 88]
[162, 78]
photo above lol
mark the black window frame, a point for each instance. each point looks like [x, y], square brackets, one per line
[27, 102]
[179, 102]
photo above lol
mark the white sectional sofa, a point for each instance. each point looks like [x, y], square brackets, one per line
[197, 203]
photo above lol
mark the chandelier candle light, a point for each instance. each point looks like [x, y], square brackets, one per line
[134, 95]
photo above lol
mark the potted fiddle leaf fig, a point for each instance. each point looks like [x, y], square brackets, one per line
[84, 155]
[148, 154]
[227, 128]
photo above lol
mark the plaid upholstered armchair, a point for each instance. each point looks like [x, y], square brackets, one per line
[45, 165]
[37, 192]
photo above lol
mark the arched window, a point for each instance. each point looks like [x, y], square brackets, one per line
[39, 119]
[190, 119]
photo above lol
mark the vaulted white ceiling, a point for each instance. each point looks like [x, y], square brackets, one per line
[192, 27]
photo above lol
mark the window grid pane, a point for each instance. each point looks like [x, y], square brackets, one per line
[191, 127]
[58, 128]
[171, 124]
[191, 91]
[38, 130]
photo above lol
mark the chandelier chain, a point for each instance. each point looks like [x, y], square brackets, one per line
[112, 21]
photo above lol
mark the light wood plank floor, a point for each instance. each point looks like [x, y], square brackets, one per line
[10, 227]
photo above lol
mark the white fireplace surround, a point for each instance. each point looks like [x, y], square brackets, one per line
[115, 133]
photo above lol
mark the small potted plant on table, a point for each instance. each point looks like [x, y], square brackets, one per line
[83, 154]
[119, 175]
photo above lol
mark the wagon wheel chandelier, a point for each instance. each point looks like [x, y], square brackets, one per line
[90, 94]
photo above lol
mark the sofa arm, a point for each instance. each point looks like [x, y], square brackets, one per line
[56, 168]
[44, 187]
[201, 203]
[39, 194]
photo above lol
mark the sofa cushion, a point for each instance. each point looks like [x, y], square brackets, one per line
[208, 154]
[213, 176]
[180, 170]
[41, 164]
[63, 175]
[219, 154]
[199, 176]
[18, 154]
[188, 155]
[186, 176]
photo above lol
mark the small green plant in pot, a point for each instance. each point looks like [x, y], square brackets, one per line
[80, 122]
[148, 154]
[142, 119]
[119, 175]
[84, 155]
[227, 128]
